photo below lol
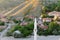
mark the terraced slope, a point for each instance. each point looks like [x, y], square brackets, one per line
[31, 7]
[9, 4]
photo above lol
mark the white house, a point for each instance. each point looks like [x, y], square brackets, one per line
[58, 22]
[47, 19]
[54, 13]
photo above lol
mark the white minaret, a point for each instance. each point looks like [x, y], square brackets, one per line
[35, 29]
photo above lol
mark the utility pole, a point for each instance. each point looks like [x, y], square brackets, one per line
[35, 29]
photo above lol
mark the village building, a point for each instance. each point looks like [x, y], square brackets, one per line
[55, 14]
[47, 19]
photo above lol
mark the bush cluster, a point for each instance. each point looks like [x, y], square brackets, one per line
[25, 30]
[51, 7]
[53, 29]
[1, 23]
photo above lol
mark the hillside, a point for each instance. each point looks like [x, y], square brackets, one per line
[9, 4]
[21, 7]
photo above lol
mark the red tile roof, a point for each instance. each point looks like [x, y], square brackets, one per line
[2, 27]
[42, 26]
[23, 23]
[47, 18]
[54, 13]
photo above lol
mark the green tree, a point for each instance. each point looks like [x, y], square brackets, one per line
[2, 23]
[44, 15]
[52, 26]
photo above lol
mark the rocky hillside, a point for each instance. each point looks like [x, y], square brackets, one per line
[9, 4]
[32, 7]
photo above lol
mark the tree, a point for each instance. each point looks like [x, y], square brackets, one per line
[52, 26]
[16, 21]
[44, 15]
[58, 6]
[28, 19]
[2, 23]
[25, 30]
[46, 23]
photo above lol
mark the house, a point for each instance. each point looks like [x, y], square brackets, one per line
[56, 17]
[43, 26]
[23, 23]
[29, 16]
[47, 19]
[54, 13]
[19, 18]
[1, 15]
[2, 27]
[58, 22]
[4, 20]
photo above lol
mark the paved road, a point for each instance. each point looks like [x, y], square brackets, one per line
[12, 38]
[49, 38]
[32, 38]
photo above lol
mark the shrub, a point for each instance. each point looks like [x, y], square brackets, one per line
[16, 21]
[44, 15]
[49, 8]
[42, 32]
[1, 30]
[53, 26]
[25, 30]
[58, 6]
[53, 29]
[45, 9]
[9, 33]
[28, 19]
[30, 26]
[2, 23]
[46, 23]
